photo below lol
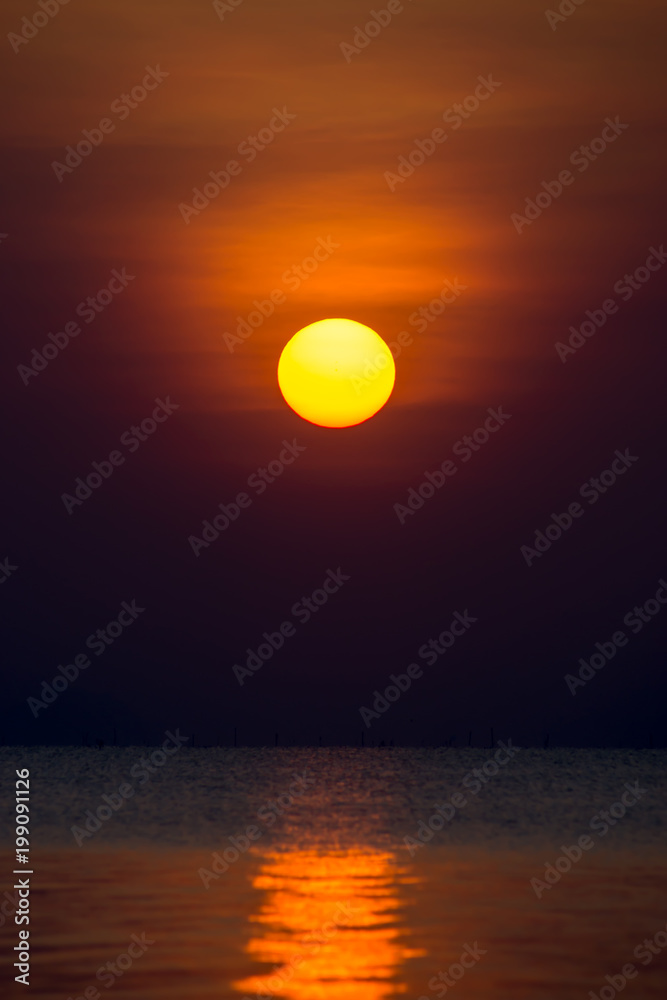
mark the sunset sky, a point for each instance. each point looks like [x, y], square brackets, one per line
[322, 182]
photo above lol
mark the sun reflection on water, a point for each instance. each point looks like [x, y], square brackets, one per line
[329, 926]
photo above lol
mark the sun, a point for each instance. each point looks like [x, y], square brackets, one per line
[336, 373]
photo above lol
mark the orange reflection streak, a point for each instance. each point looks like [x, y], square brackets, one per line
[330, 927]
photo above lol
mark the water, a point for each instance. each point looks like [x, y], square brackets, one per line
[318, 895]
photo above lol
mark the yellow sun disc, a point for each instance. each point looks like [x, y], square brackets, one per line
[336, 372]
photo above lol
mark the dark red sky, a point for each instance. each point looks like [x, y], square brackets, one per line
[322, 181]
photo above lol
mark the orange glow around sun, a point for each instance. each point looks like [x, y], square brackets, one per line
[336, 373]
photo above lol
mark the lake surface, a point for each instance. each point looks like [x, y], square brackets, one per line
[253, 873]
